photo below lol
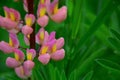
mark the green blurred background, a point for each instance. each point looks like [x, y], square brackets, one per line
[92, 42]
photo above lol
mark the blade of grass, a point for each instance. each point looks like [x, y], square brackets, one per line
[83, 66]
[105, 13]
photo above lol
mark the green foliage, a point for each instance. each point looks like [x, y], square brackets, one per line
[92, 42]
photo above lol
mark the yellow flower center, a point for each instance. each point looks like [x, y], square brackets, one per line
[16, 56]
[44, 49]
[42, 1]
[55, 9]
[28, 21]
[54, 48]
[42, 11]
[10, 42]
[28, 36]
[29, 56]
[42, 35]
[12, 16]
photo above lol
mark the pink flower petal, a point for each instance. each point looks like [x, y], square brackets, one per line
[46, 37]
[28, 65]
[60, 43]
[6, 10]
[26, 39]
[30, 19]
[16, 14]
[43, 21]
[44, 58]
[52, 36]
[13, 30]
[9, 24]
[60, 15]
[58, 55]
[5, 47]
[20, 72]
[28, 73]
[41, 7]
[40, 36]
[25, 5]
[32, 52]
[51, 43]
[2, 22]
[26, 30]
[20, 54]
[14, 39]
[11, 62]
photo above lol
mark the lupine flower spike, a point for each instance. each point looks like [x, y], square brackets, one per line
[17, 61]
[41, 14]
[49, 47]
[9, 47]
[11, 22]
[57, 15]
[27, 29]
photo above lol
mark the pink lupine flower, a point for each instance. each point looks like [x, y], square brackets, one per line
[51, 36]
[25, 70]
[40, 36]
[14, 15]
[55, 47]
[29, 64]
[42, 2]
[19, 55]
[12, 62]
[26, 30]
[25, 5]
[13, 43]
[43, 21]
[41, 14]
[31, 53]
[20, 72]
[50, 47]
[44, 54]
[44, 57]
[11, 21]
[29, 19]
[27, 40]
[17, 60]
[13, 40]
[57, 15]
[7, 24]
[5, 47]
[60, 43]
[57, 53]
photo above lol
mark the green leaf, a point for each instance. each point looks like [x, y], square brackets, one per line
[109, 64]
[73, 75]
[105, 13]
[88, 76]
[114, 43]
[117, 35]
[63, 76]
[87, 63]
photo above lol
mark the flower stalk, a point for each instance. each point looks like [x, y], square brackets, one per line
[32, 36]
[31, 11]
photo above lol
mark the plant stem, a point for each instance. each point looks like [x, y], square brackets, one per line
[32, 36]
